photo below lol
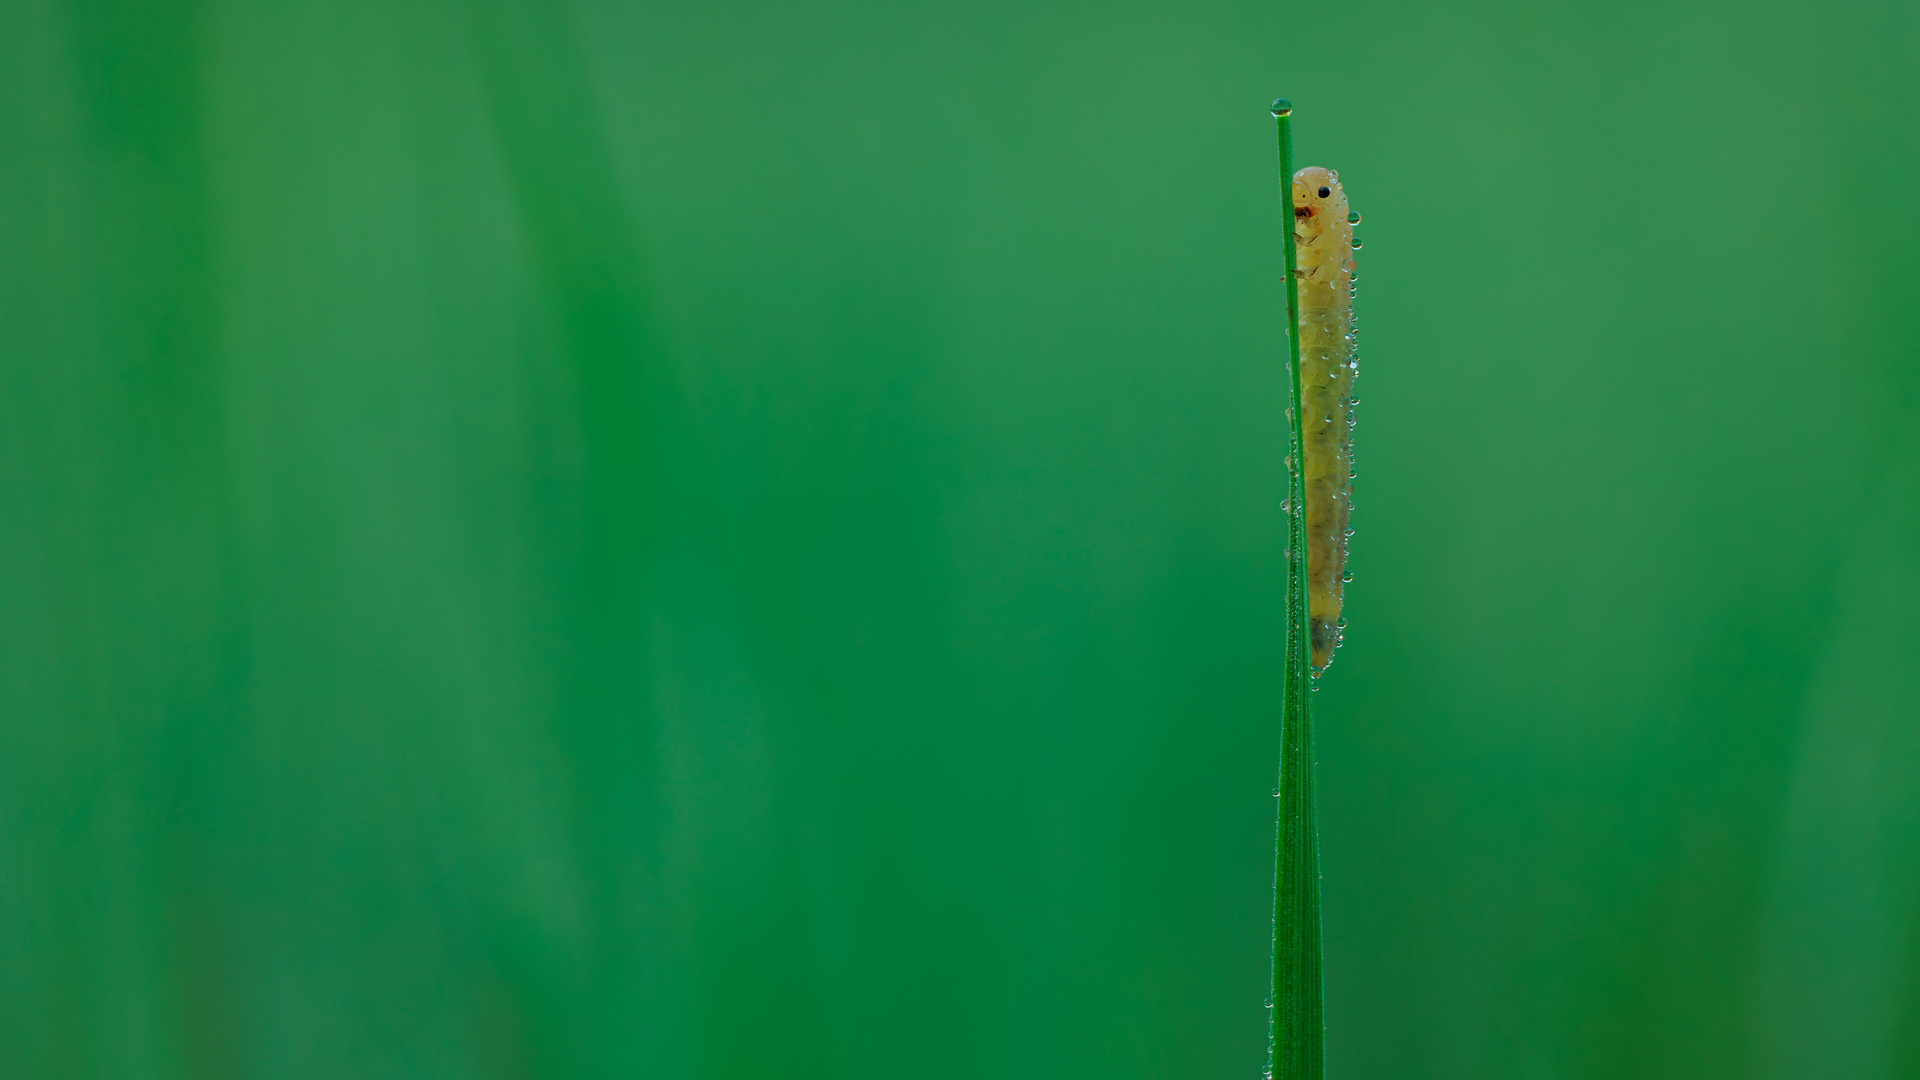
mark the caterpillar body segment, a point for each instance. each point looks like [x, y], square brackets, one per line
[1323, 242]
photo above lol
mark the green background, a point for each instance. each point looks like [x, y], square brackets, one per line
[742, 540]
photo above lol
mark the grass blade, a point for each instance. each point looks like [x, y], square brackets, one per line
[1296, 1037]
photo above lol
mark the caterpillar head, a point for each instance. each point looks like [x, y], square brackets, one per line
[1318, 202]
[1322, 237]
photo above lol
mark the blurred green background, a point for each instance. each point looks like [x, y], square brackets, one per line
[598, 539]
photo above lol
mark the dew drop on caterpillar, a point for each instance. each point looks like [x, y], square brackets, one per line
[1324, 246]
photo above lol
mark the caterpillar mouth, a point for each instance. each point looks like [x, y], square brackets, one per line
[1303, 211]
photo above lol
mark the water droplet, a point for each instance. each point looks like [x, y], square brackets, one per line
[1353, 217]
[1276, 793]
[1356, 243]
[1348, 576]
[1281, 106]
[1341, 622]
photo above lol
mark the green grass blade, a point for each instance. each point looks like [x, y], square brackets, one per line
[1296, 1037]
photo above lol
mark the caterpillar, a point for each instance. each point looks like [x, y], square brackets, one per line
[1324, 245]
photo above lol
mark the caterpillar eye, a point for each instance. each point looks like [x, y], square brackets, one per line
[1324, 192]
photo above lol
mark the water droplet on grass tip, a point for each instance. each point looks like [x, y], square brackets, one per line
[1281, 106]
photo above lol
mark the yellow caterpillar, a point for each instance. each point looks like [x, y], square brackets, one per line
[1323, 242]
